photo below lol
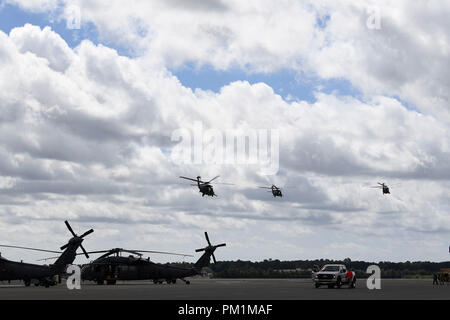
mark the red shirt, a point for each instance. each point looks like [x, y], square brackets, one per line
[349, 274]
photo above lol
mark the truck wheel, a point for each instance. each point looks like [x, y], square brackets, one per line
[338, 283]
[330, 286]
[317, 285]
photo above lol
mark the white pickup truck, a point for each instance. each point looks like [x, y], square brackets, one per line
[333, 275]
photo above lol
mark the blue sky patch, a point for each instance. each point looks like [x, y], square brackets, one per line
[289, 84]
[12, 17]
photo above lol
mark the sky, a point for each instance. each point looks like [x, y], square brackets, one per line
[356, 93]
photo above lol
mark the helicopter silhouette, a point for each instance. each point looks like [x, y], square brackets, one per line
[12, 270]
[276, 192]
[205, 188]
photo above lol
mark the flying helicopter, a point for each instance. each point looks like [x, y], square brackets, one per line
[276, 192]
[205, 187]
[112, 267]
[43, 274]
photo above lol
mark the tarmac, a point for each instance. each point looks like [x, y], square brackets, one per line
[230, 289]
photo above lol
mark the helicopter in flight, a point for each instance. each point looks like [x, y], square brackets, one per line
[383, 187]
[276, 192]
[111, 267]
[205, 187]
[43, 274]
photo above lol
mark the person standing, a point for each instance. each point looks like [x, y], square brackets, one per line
[349, 277]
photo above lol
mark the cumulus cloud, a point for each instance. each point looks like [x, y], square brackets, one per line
[408, 56]
[85, 132]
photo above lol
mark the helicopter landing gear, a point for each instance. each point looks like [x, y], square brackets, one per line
[171, 281]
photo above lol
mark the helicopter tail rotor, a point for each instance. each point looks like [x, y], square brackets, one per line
[210, 248]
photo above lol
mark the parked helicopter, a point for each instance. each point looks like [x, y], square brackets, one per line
[276, 192]
[11, 270]
[111, 268]
[384, 188]
[204, 187]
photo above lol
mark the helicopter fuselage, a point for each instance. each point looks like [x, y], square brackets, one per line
[12, 270]
[132, 268]
[277, 193]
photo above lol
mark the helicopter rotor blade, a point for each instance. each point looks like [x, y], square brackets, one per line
[133, 252]
[207, 238]
[27, 248]
[70, 228]
[213, 179]
[136, 252]
[50, 258]
[86, 233]
[189, 179]
[84, 251]
[94, 252]
[160, 252]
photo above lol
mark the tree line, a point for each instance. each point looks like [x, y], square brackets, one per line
[302, 268]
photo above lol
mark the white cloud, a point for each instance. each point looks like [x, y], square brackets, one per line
[407, 57]
[45, 44]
